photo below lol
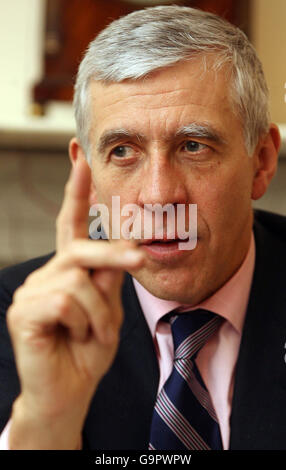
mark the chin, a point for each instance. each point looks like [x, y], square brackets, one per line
[175, 291]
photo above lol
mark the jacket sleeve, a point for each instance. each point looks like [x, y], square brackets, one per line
[10, 279]
[9, 382]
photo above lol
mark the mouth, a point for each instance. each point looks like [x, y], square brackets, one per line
[161, 240]
[163, 249]
[155, 241]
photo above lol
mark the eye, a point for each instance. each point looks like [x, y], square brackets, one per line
[193, 146]
[122, 151]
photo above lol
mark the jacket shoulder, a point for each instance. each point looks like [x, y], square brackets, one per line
[275, 224]
[13, 276]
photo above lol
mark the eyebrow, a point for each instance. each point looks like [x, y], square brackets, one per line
[192, 130]
[115, 135]
[201, 130]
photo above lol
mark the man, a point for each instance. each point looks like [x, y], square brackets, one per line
[171, 108]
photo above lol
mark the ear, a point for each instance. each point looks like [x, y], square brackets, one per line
[265, 159]
[77, 153]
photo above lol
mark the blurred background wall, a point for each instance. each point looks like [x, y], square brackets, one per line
[33, 145]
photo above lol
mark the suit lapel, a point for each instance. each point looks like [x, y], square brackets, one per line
[258, 419]
[121, 411]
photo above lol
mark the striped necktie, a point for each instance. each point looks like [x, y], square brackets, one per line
[184, 417]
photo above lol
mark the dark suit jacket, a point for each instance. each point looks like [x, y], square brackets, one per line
[121, 410]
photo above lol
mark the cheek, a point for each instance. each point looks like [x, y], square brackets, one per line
[113, 181]
[225, 199]
[115, 193]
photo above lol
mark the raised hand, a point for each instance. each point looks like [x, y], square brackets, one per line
[64, 323]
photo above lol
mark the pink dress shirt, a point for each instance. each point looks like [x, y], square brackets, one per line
[216, 360]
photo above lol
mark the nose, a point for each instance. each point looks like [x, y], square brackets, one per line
[162, 183]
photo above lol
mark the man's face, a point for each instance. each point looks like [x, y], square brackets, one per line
[160, 161]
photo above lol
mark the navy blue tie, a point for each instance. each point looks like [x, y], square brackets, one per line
[184, 417]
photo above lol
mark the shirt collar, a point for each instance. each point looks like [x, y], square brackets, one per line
[230, 301]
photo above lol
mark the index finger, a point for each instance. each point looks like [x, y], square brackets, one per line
[73, 217]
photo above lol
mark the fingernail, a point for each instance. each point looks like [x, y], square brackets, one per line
[132, 256]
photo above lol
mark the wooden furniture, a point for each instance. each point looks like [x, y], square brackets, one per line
[72, 24]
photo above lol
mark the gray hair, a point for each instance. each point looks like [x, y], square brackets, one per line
[157, 37]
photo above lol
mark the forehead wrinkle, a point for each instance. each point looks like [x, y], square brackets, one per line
[144, 102]
[122, 93]
[151, 105]
[158, 93]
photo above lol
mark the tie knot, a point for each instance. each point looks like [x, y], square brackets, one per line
[191, 330]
